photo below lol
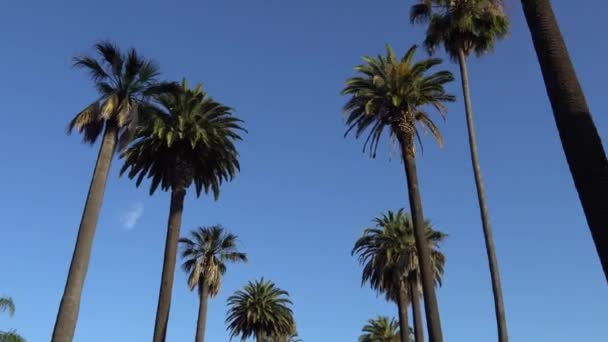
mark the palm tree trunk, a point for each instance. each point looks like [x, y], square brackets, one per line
[424, 256]
[259, 336]
[65, 325]
[402, 304]
[202, 311]
[499, 306]
[580, 139]
[166, 285]
[417, 313]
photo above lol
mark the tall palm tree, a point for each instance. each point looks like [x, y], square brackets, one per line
[390, 263]
[580, 139]
[261, 309]
[7, 304]
[188, 140]
[380, 329]
[125, 82]
[205, 255]
[395, 94]
[464, 27]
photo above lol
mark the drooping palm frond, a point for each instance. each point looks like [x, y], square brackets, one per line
[470, 25]
[381, 329]
[190, 139]
[125, 83]
[260, 308]
[205, 254]
[7, 305]
[388, 253]
[392, 94]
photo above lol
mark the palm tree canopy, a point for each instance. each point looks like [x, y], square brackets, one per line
[188, 139]
[205, 254]
[380, 329]
[388, 252]
[470, 25]
[11, 336]
[260, 307]
[126, 82]
[395, 93]
[6, 304]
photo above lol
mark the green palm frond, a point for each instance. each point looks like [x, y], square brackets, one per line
[381, 329]
[388, 253]
[390, 94]
[7, 305]
[189, 139]
[11, 336]
[260, 307]
[205, 254]
[470, 25]
[126, 84]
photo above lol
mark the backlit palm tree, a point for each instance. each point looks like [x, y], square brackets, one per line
[464, 27]
[396, 94]
[188, 141]
[205, 255]
[125, 83]
[381, 329]
[261, 309]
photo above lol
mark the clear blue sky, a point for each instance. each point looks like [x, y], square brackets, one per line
[304, 193]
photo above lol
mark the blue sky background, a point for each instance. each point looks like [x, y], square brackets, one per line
[304, 193]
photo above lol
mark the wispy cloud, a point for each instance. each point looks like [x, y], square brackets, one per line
[129, 217]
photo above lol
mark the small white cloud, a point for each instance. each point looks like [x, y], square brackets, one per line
[129, 218]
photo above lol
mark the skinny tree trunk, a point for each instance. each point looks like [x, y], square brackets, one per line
[202, 311]
[166, 285]
[431, 307]
[402, 304]
[580, 139]
[65, 325]
[417, 313]
[499, 306]
[259, 336]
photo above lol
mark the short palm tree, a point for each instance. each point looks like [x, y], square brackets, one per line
[188, 140]
[11, 336]
[580, 139]
[125, 82]
[205, 255]
[261, 309]
[396, 94]
[7, 305]
[463, 27]
[283, 338]
[389, 258]
[380, 329]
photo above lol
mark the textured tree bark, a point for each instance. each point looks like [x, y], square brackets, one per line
[417, 313]
[171, 243]
[499, 306]
[65, 325]
[579, 136]
[202, 311]
[402, 304]
[433, 320]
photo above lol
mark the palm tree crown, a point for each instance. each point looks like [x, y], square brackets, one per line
[126, 83]
[260, 309]
[470, 25]
[380, 329]
[388, 252]
[205, 254]
[392, 93]
[190, 139]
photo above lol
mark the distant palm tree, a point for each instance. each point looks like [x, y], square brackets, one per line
[189, 140]
[463, 27]
[395, 94]
[389, 258]
[580, 139]
[11, 336]
[284, 338]
[381, 329]
[125, 82]
[7, 304]
[205, 255]
[261, 309]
